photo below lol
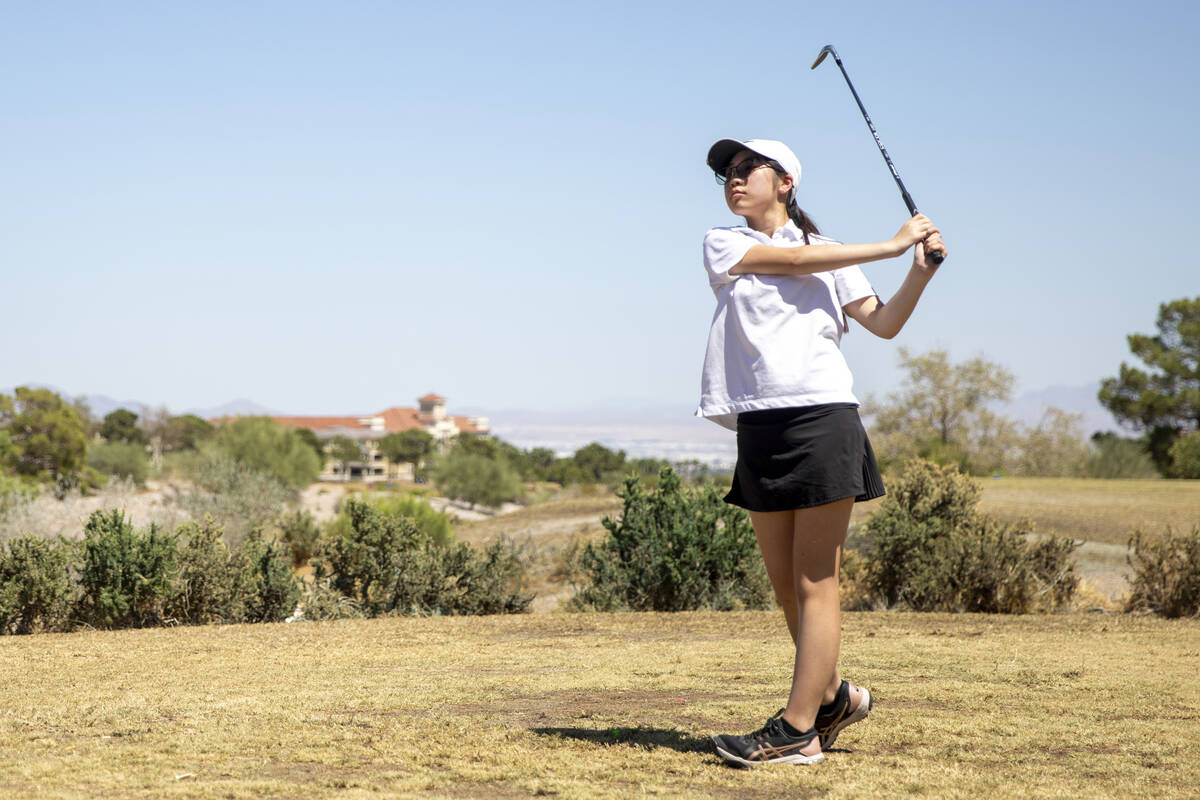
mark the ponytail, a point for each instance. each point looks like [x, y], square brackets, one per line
[806, 225]
[795, 213]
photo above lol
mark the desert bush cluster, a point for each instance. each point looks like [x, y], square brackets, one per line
[674, 548]
[117, 576]
[929, 549]
[386, 556]
[385, 563]
[1166, 579]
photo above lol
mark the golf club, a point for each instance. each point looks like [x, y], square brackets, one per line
[936, 256]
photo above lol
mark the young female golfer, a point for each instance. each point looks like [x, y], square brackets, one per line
[773, 372]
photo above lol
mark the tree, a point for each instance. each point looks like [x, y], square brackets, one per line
[1056, 448]
[310, 439]
[599, 464]
[406, 447]
[185, 432]
[121, 426]
[1165, 400]
[45, 437]
[343, 449]
[1185, 456]
[1115, 457]
[477, 479]
[941, 413]
[261, 445]
[479, 444]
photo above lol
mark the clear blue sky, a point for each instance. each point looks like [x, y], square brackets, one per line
[337, 207]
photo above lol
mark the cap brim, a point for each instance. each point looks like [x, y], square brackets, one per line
[721, 153]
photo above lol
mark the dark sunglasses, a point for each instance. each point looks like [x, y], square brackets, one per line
[742, 169]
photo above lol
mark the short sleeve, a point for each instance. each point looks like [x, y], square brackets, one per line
[851, 284]
[723, 250]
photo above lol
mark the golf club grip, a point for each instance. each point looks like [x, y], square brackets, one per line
[936, 256]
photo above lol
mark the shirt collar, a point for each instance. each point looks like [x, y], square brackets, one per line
[786, 231]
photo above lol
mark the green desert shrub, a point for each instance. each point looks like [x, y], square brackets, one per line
[928, 549]
[120, 459]
[1185, 456]
[1114, 457]
[300, 532]
[386, 564]
[237, 497]
[266, 447]
[673, 549]
[1166, 574]
[265, 585]
[431, 523]
[125, 575]
[323, 602]
[252, 583]
[35, 585]
[475, 478]
[15, 494]
[204, 589]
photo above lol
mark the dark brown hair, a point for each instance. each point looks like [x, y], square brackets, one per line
[797, 215]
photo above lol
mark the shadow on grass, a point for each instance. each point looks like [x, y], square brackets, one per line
[645, 738]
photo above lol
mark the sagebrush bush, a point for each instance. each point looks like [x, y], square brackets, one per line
[120, 459]
[125, 575]
[928, 549]
[251, 583]
[300, 532]
[431, 523]
[387, 565]
[238, 497]
[1166, 574]
[475, 478]
[15, 494]
[673, 550]
[204, 589]
[322, 602]
[265, 585]
[1114, 457]
[35, 585]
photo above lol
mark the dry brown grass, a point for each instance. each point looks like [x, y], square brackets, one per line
[596, 706]
[1093, 509]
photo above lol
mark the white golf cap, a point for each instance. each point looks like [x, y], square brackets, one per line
[720, 154]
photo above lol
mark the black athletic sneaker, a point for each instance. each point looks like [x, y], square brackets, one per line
[844, 710]
[770, 744]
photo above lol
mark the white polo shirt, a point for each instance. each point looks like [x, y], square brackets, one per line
[774, 340]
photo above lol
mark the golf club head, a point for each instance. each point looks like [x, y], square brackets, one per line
[826, 50]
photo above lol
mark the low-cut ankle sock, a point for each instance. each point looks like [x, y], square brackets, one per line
[789, 730]
[828, 708]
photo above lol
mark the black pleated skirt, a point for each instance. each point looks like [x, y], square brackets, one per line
[802, 457]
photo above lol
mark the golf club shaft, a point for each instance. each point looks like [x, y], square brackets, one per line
[935, 256]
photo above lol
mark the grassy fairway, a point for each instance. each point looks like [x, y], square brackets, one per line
[1093, 509]
[596, 706]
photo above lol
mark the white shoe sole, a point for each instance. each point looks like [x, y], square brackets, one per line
[796, 759]
[859, 714]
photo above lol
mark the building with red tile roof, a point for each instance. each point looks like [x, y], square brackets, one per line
[429, 416]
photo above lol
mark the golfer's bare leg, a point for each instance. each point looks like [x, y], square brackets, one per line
[775, 531]
[820, 533]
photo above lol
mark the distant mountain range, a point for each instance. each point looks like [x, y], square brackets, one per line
[103, 405]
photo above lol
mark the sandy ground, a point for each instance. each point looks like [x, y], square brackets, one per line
[48, 516]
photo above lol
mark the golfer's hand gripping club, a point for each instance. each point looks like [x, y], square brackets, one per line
[936, 256]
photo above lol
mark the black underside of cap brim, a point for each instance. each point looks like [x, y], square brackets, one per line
[720, 154]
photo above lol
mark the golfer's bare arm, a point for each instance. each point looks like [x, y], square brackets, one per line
[886, 319]
[763, 259]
